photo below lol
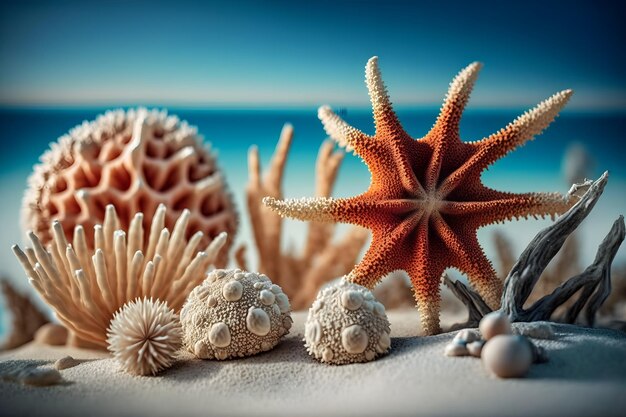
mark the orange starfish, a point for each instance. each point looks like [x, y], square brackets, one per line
[426, 200]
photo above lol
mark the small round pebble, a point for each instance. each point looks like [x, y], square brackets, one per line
[494, 324]
[507, 356]
[456, 348]
[65, 363]
[475, 348]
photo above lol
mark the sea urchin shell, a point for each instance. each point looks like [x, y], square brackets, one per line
[135, 160]
[233, 314]
[144, 336]
[346, 325]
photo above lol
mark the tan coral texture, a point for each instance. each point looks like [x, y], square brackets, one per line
[234, 313]
[144, 336]
[346, 325]
[85, 287]
[323, 258]
[135, 160]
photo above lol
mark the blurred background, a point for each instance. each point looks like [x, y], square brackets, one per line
[240, 70]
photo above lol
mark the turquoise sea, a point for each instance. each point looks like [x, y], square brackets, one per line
[26, 134]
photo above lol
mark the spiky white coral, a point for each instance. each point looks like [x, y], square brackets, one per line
[233, 314]
[85, 287]
[136, 160]
[346, 325]
[144, 336]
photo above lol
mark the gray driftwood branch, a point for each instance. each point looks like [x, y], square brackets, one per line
[594, 282]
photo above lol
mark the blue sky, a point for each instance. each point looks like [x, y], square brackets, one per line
[308, 53]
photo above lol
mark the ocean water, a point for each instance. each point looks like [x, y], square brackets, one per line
[536, 166]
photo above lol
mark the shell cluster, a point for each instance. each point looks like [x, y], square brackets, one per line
[135, 160]
[144, 336]
[346, 325]
[503, 353]
[234, 313]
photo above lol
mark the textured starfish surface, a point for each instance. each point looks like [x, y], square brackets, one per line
[426, 199]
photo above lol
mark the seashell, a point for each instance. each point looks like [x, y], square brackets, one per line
[475, 348]
[456, 348]
[467, 336]
[145, 156]
[342, 327]
[494, 324]
[243, 326]
[507, 356]
[144, 336]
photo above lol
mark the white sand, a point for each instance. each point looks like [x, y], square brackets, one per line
[586, 376]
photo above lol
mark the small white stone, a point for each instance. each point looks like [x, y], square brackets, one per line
[354, 339]
[65, 363]
[327, 354]
[466, 336]
[267, 297]
[351, 299]
[456, 349]
[475, 348]
[493, 324]
[219, 335]
[258, 322]
[276, 289]
[507, 356]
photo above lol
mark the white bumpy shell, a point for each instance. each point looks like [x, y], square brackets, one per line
[234, 313]
[346, 325]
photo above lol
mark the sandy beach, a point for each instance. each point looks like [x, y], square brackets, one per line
[586, 376]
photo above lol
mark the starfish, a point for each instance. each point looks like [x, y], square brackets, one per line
[426, 200]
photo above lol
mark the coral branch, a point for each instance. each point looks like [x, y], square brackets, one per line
[300, 275]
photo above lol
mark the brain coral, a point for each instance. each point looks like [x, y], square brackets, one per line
[135, 160]
[233, 314]
[346, 325]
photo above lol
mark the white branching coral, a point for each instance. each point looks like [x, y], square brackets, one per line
[346, 325]
[85, 287]
[135, 160]
[234, 313]
[144, 336]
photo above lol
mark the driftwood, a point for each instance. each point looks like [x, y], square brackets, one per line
[594, 282]
[26, 318]
[300, 275]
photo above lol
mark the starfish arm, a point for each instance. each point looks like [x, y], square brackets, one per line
[385, 118]
[457, 98]
[470, 259]
[346, 136]
[524, 128]
[507, 206]
[321, 209]
[446, 128]
[425, 272]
